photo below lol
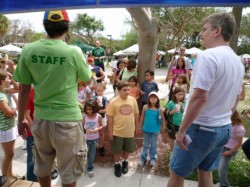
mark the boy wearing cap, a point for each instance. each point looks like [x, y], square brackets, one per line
[54, 67]
[123, 121]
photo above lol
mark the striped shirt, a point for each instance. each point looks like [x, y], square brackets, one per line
[6, 123]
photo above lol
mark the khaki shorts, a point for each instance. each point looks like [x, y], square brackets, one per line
[120, 144]
[64, 141]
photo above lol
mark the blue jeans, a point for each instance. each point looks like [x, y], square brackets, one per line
[224, 163]
[30, 163]
[149, 145]
[203, 152]
[92, 144]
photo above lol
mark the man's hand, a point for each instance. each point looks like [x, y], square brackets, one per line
[23, 128]
[181, 140]
[248, 113]
[226, 153]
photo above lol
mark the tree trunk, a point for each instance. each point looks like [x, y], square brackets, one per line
[237, 13]
[148, 30]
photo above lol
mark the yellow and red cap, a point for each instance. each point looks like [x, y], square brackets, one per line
[56, 15]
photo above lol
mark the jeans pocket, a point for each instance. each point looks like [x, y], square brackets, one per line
[205, 138]
[81, 161]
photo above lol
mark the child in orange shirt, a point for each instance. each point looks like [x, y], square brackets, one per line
[134, 90]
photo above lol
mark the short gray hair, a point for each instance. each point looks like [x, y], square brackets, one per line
[223, 20]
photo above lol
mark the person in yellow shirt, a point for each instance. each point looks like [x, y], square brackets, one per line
[123, 122]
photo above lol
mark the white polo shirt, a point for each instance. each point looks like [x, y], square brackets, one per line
[220, 72]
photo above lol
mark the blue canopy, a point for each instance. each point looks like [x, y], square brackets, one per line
[8, 6]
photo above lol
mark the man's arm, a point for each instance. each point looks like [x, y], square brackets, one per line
[236, 103]
[195, 105]
[23, 97]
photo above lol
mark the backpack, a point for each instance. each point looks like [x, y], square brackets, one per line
[169, 124]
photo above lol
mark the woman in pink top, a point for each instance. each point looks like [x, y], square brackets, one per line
[231, 148]
[175, 72]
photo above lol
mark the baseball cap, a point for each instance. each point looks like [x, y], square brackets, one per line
[90, 59]
[153, 93]
[56, 15]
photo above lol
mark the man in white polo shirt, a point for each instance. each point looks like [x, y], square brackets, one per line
[215, 89]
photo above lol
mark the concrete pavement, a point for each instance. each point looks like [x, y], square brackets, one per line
[104, 175]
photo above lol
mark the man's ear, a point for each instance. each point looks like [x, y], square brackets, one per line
[218, 31]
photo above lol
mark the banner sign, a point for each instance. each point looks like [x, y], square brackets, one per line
[11, 6]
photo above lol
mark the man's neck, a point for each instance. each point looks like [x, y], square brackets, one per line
[56, 38]
[217, 42]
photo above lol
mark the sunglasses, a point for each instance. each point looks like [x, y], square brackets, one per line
[3, 62]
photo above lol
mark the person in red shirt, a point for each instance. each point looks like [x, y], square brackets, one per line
[29, 116]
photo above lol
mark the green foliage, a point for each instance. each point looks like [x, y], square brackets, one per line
[22, 32]
[4, 26]
[245, 26]
[86, 26]
[130, 38]
[180, 25]
[243, 48]
[238, 171]
[244, 35]
[246, 103]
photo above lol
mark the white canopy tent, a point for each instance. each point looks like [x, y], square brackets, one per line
[132, 50]
[172, 51]
[10, 49]
[193, 50]
[161, 52]
[118, 53]
[245, 56]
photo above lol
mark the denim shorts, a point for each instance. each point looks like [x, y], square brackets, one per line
[203, 152]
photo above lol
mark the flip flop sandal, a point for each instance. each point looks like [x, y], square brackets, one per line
[19, 177]
[54, 174]
[3, 179]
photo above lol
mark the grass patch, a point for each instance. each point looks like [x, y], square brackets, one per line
[246, 103]
[238, 171]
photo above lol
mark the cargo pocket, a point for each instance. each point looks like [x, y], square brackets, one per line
[80, 163]
[66, 133]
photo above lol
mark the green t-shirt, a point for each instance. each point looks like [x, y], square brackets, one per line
[98, 52]
[127, 74]
[53, 67]
[6, 123]
[177, 117]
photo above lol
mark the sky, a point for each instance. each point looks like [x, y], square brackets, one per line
[113, 19]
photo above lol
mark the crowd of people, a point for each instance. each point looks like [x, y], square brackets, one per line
[62, 112]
